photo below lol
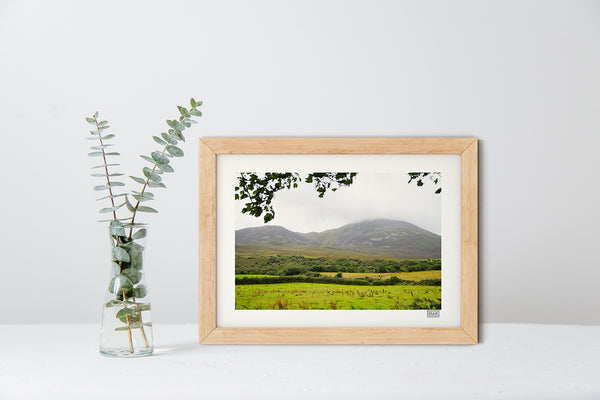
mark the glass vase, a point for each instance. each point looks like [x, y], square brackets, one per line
[126, 316]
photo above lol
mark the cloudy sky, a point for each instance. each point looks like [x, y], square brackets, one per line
[372, 195]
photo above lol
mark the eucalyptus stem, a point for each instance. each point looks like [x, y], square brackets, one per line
[137, 204]
[112, 199]
[128, 326]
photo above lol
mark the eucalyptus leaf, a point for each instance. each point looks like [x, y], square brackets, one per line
[148, 324]
[111, 209]
[175, 151]
[124, 313]
[142, 198]
[107, 165]
[149, 159]
[101, 128]
[109, 136]
[145, 307]
[114, 196]
[140, 291]
[112, 219]
[116, 267]
[146, 209]
[183, 111]
[115, 174]
[159, 158]
[156, 184]
[130, 207]
[178, 125]
[195, 112]
[114, 153]
[165, 167]
[116, 184]
[133, 275]
[146, 193]
[120, 283]
[95, 154]
[136, 255]
[151, 175]
[175, 125]
[141, 233]
[91, 120]
[113, 303]
[120, 255]
[101, 147]
[179, 136]
[124, 294]
[122, 328]
[138, 180]
[159, 140]
[102, 123]
[101, 187]
[134, 324]
[168, 138]
[186, 123]
[96, 115]
[116, 228]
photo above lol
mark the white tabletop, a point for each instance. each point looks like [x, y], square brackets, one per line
[511, 362]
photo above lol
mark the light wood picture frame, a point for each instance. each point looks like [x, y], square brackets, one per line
[211, 148]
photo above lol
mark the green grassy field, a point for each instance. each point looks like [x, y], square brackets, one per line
[317, 296]
[308, 278]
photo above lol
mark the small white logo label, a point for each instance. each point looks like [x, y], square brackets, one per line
[433, 313]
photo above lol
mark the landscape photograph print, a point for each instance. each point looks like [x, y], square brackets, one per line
[338, 240]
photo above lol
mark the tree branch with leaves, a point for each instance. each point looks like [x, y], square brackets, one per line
[258, 190]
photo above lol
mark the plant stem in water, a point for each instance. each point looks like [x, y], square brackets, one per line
[142, 327]
[128, 327]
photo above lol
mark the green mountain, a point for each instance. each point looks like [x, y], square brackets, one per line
[271, 235]
[381, 237]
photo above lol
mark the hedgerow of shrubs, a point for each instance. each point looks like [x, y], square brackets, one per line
[366, 281]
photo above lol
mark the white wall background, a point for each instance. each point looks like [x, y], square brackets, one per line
[522, 76]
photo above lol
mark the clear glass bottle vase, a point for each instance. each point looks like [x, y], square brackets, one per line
[126, 315]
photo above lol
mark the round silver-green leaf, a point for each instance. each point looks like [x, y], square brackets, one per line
[116, 228]
[140, 291]
[120, 254]
[133, 275]
[141, 233]
[120, 283]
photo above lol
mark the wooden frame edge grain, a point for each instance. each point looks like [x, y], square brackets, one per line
[208, 241]
[469, 240]
[465, 147]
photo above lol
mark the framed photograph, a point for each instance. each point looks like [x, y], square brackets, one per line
[338, 241]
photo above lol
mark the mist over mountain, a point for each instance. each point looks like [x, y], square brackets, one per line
[378, 237]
